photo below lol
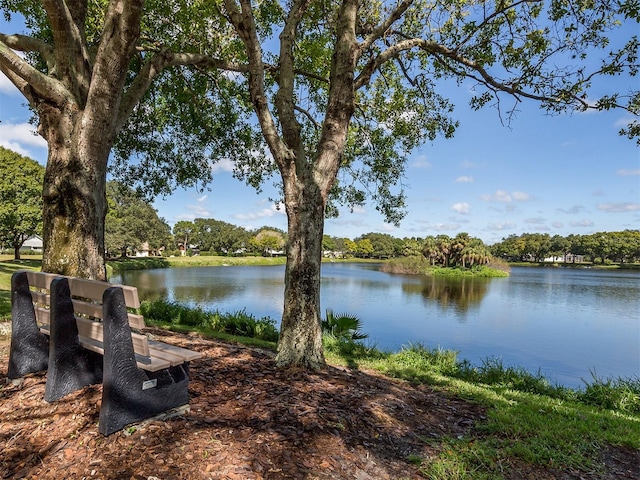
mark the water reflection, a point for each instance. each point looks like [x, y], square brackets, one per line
[460, 294]
[565, 322]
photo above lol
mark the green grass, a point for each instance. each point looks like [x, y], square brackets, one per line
[7, 267]
[527, 421]
[239, 323]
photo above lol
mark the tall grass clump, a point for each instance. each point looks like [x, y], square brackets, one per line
[620, 394]
[492, 371]
[413, 265]
[415, 361]
[236, 323]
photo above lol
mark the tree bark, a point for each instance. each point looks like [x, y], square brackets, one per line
[300, 343]
[74, 194]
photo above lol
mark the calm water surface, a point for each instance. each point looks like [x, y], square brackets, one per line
[565, 322]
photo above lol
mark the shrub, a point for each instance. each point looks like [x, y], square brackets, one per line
[621, 394]
[343, 326]
[413, 265]
[237, 323]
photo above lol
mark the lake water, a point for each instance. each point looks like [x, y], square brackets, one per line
[566, 322]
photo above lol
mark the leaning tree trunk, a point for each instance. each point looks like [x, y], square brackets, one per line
[300, 343]
[74, 195]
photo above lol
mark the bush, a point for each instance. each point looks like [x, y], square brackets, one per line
[621, 394]
[414, 265]
[238, 323]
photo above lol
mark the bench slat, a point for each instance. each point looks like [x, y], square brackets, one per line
[166, 348]
[89, 328]
[82, 287]
[92, 309]
[151, 364]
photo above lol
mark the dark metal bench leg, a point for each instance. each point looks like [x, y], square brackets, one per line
[71, 366]
[129, 393]
[29, 347]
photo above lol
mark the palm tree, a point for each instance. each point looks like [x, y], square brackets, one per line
[343, 326]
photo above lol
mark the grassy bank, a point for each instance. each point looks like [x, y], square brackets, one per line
[143, 263]
[419, 265]
[528, 420]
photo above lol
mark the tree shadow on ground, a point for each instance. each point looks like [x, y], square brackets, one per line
[11, 266]
[248, 420]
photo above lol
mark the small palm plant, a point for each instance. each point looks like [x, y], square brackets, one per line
[343, 326]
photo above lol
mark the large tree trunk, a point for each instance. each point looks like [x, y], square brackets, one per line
[300, 343]
[74, 197]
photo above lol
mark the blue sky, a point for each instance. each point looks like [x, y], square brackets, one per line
[555, 174]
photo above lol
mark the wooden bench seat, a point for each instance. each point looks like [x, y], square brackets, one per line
[80, 331]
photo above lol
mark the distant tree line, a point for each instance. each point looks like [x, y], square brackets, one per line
[441, 250]
[20, 199]
[132, 225]
[602, 247]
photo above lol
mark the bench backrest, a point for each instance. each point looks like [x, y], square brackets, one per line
[86, 295]
[87, 306]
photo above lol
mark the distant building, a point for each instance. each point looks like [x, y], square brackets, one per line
[569, 258]
[32, 244]
[143, 251]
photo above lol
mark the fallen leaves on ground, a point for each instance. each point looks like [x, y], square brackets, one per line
[249, 420]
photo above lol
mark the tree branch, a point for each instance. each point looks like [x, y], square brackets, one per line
[242, 20]
[115, 51]
[72, 60]
[481, 74]
[381, 29]
[24, 43]
[29, 80]
[158, 61]
[284, 99]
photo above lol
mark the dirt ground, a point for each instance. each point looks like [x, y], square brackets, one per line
[249, 420]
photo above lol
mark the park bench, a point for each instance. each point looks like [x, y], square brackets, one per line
[80, 331]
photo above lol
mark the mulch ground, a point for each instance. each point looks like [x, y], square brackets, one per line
[249, 420]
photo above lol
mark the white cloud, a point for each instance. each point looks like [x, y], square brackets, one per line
[273, 210]
[421, 162]
[202, 198]
[576, 209]
[461, 208]
[499, 196]
[21, 138]
[520, 196]
[224, 165]
[628, 173]
[468, 164]
[7, 87]
[557, 224]
[198, 210]
[619, 207]
[582, 223]
[445, 227]
[624, 121]
[535, 220]
[500, 226]
[464, 179]
[505, 197]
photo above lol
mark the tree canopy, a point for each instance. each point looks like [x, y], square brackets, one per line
[20, 199]
[132, 223]
[341, 92]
